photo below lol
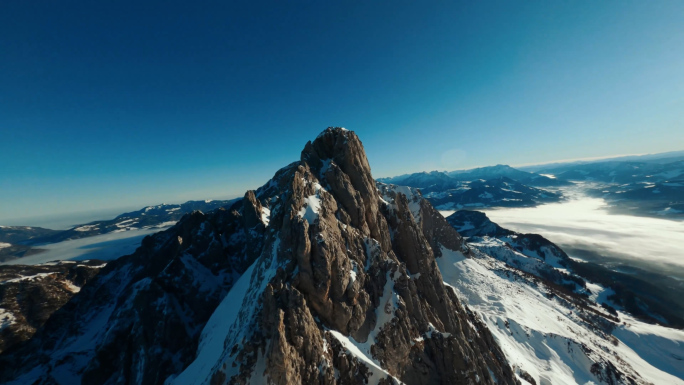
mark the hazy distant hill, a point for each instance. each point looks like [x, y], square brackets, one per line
[653, 186]
[501, 170]
[664, 157]
[24, 234]
[620, 171]
[440, 179]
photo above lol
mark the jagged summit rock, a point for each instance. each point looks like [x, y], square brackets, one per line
[321, 276]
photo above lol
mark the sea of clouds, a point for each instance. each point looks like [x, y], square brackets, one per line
[583, 223]
[104, 247]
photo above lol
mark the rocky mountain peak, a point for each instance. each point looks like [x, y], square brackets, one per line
[320, 276]
[347, 289]
[338, 160]
[340, 149]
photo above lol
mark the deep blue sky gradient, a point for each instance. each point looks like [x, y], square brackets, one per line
[110, 104]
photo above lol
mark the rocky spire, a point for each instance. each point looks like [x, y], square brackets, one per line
[338, 159]
[357, 295]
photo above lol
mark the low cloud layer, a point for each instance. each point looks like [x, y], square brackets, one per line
[104, 247]
[582, 223]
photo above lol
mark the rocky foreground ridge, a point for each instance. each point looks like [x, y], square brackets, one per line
[317, 277]
[30, 294]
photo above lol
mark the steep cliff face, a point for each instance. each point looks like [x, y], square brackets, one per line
[347, 289]
[319, 277]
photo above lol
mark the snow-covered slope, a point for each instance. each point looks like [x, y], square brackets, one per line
[550, 322]
[556, 341]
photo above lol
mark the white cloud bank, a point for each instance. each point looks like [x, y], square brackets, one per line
[583, 223]
[105, 247]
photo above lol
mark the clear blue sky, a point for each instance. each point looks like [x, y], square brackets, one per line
[107, 104]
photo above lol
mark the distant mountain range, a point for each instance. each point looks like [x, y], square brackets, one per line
[620, 172]
[501, 170]
[647, 185]
[21, 241]
[496, 192]
[495, 186]
[436, 180]
[653, 187]
[24, 234]
[663, 157]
